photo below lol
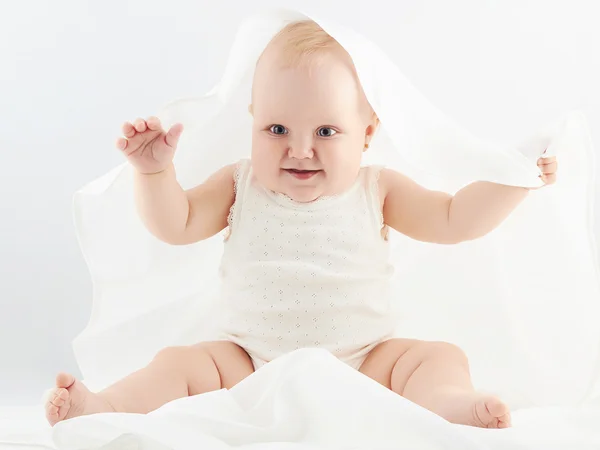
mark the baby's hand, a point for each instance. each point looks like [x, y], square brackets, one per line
[147, 146]
[548, 166]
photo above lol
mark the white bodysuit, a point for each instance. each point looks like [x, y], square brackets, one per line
[297, 275]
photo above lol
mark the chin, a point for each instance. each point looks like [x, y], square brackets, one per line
[303, 195]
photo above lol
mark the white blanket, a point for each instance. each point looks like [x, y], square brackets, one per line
[532, 305]
[526, 293]
[310, 400]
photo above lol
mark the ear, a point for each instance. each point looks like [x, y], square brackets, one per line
[369, 132]
[371, 128]
[375, 122]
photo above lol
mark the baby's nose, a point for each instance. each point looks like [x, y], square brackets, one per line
[301, 149]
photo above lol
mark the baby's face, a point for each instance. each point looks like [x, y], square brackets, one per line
[309, 128]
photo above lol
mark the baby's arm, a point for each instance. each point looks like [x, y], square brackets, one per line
[441, 218]
[171, 214]
[182, 217]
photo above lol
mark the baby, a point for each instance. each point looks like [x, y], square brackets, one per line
[305, 260]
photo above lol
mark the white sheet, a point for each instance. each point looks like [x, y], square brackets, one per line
[304, 401]
[528, 293]
[24, 428]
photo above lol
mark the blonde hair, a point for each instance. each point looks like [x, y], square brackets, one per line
[305, 43]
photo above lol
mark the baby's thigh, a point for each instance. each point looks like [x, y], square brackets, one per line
[210, 366]
[397, 359]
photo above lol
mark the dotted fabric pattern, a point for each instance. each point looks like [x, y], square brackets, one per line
[297, 275]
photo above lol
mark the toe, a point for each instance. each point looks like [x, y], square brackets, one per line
[493, 423]
[502, 425]
[64, 380]
[60, 397]
[497, 412]
[52, 413]
[57, 401]
[51, 409]
[62, 393]
[491, 412]
[496, 407]
[504, 421]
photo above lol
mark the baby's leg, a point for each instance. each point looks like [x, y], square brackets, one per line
[435, 375]
[175, 372]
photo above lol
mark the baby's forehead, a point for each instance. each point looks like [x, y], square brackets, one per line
[320, 76]
[327, 73]
[324, 91]
[306, 68]
[285, 52]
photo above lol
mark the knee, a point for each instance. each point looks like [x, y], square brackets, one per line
[444, 350]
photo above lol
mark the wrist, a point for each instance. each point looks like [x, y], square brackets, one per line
[166, 171]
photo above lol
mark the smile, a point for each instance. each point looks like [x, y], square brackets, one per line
[302, 174]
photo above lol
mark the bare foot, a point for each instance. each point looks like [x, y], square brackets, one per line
[475, 409]
[71, 398]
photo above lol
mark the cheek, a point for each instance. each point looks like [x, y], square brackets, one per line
[340, 156]
[267, 148]
[266, 159]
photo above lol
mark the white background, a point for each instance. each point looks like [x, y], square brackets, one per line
[72, 70]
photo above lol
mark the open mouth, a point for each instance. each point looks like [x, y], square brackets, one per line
[302, 174]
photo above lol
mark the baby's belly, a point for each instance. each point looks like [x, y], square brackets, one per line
[342, 325]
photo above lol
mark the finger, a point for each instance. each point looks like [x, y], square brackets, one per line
[153, 123]
[122, 143]
[128, 130]
[140, 125]
[172, 137]
[549, 168]
[549, 179]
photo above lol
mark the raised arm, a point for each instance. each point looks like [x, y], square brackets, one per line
[171, 214]
[181, 217]
[441, 218]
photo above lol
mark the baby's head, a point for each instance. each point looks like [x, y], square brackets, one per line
[310, 114]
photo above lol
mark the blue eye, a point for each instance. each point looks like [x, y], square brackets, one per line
[322, 132]
[328, 132]
[277, 129]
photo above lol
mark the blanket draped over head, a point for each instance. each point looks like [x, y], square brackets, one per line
[523, 301]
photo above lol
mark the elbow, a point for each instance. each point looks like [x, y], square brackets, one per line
[188, 235]
[465, 236]
[452, 240]
[170, 237]
[458, 235]
[175, 241]
[459, 231]
[169, 231]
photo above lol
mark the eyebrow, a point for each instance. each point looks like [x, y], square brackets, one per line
[327, 121]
